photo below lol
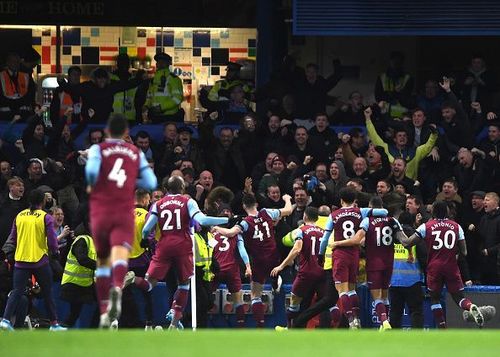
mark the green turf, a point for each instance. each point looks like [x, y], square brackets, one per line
[252, 343]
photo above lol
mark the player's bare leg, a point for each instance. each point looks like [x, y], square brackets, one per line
[378, 298]
[257, 305]
[119, 267]
[467, 305]
[437, 309]
[237, 298]
[179, 303]
[103, 283]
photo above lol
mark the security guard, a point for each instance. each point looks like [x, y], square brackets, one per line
[206, 266]
[221, 89]
[124, 102]
[139, 259]
[406, 287]
[17, 90]
[35, 238]
[77, 285]
[165, 93]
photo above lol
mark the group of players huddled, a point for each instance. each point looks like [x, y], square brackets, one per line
[327, 258]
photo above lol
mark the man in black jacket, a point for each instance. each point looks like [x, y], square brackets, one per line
[489, 229]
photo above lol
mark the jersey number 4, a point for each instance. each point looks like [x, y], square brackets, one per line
[258, 234]
[167, 226]
[118, 174]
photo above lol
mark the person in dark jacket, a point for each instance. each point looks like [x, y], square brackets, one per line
[489, 229]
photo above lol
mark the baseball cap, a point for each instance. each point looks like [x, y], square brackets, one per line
[480, 194]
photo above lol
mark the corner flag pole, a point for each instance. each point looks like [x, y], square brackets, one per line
[193, 287]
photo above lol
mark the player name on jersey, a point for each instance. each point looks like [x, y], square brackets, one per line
[440, 224]
[348, 214]
[119, 149]
[172, 202]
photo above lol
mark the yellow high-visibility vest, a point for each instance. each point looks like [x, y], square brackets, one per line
[75, 273]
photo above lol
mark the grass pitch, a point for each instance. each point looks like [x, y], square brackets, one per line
[240, 343]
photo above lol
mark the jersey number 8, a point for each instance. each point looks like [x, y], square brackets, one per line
[348, 229]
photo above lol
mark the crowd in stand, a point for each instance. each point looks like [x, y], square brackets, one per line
[410, 147]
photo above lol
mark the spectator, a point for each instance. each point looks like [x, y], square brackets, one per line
[125, 102]
[456, 124]
[449, 194]
[473, 212]
[395, 86]
[250, 142]
[278, 176]
[489, 230]
[398, 177]
[262, 168]
[63, 102]
[416, 211]
[401, 147]
[204, 185]
[144, 142]
[11, 203]
[477, 83]
[490, 146]
[5, 174]
[393, 201]
[272, 136]
[350, 113]
[313, 92]
[472, 172]
[337, 180]
[221, 89]
[98, 93]
[187, 149]
[431, 101]
[301, 147]
[323, 139]
[302, 200]
[166, 158]
[18, 90]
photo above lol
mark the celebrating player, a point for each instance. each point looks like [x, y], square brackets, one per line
[229, 274]
[310, 278]
[377, 233]
[173, 213]
[346, 221]
[113, 170]
[444, 238]
[258, 234]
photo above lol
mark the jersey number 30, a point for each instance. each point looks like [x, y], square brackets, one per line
[118, 174]
[448, 240]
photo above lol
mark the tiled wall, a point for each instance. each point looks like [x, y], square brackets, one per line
[197, 54]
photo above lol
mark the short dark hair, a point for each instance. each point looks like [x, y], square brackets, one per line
[117, 125]
[440, 209]
[311, 213]
[249, 201]
[447, 105]
[312, 65]
[36, 198]
[417, 199]
[143, 134]
[140, 193]
[452, 181]
[74, 69]
[347, 194]
[175, 185]
[376, 202]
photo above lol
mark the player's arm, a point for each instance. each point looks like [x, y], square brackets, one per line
[375, 212]
[244, 255]
[93, 165]
[147, 178]
[462, 246]
[294, 252]
[150, 222]
[288, 209]
[356, 240]
[326, 236]
[204, 220]
[414, 238]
